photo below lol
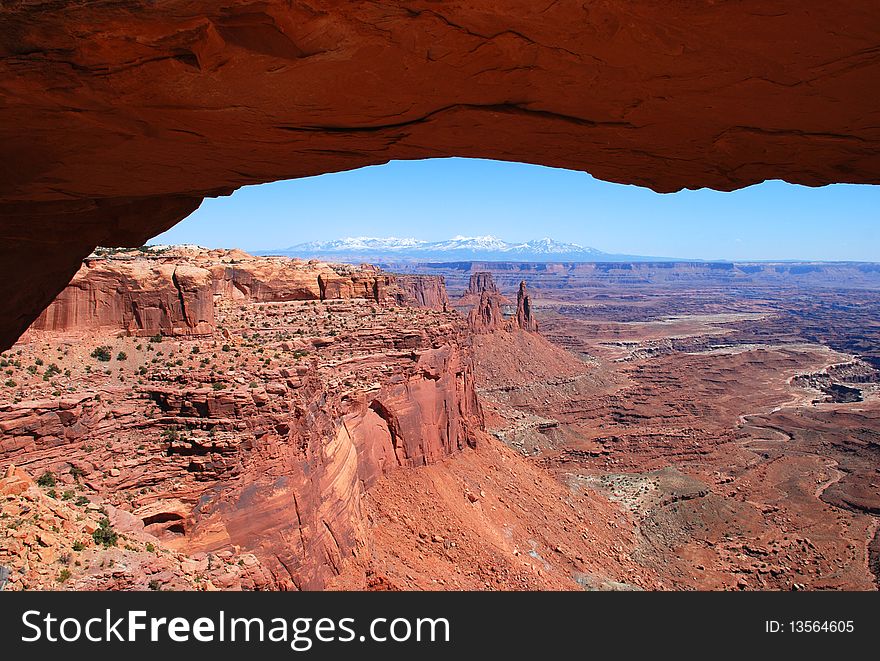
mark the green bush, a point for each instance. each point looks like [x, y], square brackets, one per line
[47, 479]
[105, 535]
[122, 356]
[102, 353]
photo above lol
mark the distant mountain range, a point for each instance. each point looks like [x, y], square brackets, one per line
[456, 249]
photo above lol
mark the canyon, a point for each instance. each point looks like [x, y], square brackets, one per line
[249, 427]
[185, 418]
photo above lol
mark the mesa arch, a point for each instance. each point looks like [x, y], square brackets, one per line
[118, 118]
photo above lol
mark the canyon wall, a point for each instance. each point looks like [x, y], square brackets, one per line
[420, 290]
[218, 453]
[137, 297]
[291, 495]
[173, 293]
[553, 275]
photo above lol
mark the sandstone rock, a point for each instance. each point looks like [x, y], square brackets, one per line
[611, 89]
[173, 292]
[486, 315]
[15, 482]
[524, 318]
[123, 521]
[482, 281]
[419, 291]
[138, 296]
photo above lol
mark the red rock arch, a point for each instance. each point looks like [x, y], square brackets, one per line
[116, 119]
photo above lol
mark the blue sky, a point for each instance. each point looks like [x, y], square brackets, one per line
[439, 198]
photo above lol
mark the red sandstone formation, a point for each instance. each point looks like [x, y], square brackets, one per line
[481, 281]
[140, 297]
[701, 440]
[172, 293]
[273, 461]
[420, 290]
[118, 122]
[524, 318]
[486, 316]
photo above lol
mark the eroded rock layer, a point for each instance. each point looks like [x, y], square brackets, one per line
[118, 119]
[171, 292]
[254, 444]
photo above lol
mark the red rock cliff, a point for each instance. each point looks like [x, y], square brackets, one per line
[173, 293]
[427, 291]
[139, 297]
[486, 315]
[481, 281]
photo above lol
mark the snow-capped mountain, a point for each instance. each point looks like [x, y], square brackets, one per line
[458, 248]
[359, 243]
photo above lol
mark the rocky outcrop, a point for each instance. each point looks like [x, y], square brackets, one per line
[139, 297]
[524, 318]
[268, 279]
[425, 291]
[117, 123]
[486, 316]
[481, 281]
[173, 292]
[218, 451]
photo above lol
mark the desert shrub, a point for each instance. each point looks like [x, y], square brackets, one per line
[156, 339]
[47, 479]
[105, 535]
[102, 353]
[122, 356]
